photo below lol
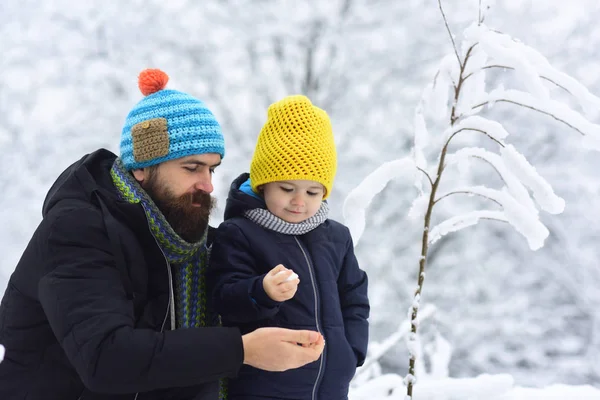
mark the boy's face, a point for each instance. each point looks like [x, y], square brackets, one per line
[181, 189]
[293, 201]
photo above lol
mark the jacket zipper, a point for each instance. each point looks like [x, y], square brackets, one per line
[314, 286]
[171, 303]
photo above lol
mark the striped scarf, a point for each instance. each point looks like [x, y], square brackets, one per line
[188, 261]
[266, 219]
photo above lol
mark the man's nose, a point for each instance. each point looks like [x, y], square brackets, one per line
[205, 184]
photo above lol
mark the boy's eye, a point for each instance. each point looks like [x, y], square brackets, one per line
[287, 190]
[312, 193]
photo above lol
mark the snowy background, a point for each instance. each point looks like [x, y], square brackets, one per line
[530, 319]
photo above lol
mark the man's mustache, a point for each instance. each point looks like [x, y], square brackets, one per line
[198, 197]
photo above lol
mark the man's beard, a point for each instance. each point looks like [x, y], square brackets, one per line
[187, 220]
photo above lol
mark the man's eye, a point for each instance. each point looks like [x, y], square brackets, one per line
[191, 169]
[212, 171]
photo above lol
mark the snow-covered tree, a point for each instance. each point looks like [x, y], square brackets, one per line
[445, 165]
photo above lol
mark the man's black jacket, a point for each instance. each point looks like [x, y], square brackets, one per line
[86, 312]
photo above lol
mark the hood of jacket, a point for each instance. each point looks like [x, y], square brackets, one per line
[81, 180]
[238, 201]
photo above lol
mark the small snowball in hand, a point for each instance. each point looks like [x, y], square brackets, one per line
[291, 277]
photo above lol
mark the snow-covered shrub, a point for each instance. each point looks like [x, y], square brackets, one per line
[455, 105]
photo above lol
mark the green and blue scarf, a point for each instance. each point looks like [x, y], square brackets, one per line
[188, 261]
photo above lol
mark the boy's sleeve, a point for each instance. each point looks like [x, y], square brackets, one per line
[238, 294]
[352, 287]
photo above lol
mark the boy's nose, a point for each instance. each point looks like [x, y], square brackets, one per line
[298, 200]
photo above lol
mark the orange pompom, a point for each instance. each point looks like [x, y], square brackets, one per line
[152, 80]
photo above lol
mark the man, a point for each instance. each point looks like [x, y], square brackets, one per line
[109, 300]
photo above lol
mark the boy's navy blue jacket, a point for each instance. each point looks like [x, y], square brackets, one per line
[331, 298]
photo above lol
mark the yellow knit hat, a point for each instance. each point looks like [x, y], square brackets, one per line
[296, 143]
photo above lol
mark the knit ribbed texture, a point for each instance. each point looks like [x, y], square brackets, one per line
[296, 143]
[168, 124]
[188, 261]
[268, 220]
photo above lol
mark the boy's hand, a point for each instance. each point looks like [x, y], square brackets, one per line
[280, 283]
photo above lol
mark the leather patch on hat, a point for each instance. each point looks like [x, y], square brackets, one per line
[150, 139]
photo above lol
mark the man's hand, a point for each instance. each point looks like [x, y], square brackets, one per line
[277, 286]
[279, 349]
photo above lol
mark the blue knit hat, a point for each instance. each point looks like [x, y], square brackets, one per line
[167, 124]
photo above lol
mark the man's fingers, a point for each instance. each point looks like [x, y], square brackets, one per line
[310, 352]
[277, 349]
[319, 344]
[300, 336]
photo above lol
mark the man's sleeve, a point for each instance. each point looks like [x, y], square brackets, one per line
[88, 310]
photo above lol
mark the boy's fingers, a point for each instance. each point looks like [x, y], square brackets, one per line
[282, 276]
[277, 269]
[287, 286]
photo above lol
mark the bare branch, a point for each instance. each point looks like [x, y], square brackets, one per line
[511, 68]
[345, 8]
[449, 33]
[534, 109]
[475, 130]
[494, 219]
[434, 187]
[466, 192]
[311, 78]
[279, 53]
[493, 166]
[427, 175]
[458, 87]
[435, 77]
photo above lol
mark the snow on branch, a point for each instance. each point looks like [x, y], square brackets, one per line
[524, 219]
[557, 110]
[516, 172]
[403, 329]
[421, 139]
[531, 67]
[506, 51]
[542, 191]
[494, 130]
[388, 386]
[436, 94]
[359, 199]
[459, 222]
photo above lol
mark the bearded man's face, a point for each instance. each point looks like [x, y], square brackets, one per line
[181, 190]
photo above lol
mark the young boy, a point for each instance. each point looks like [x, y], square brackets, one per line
[278, 261]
